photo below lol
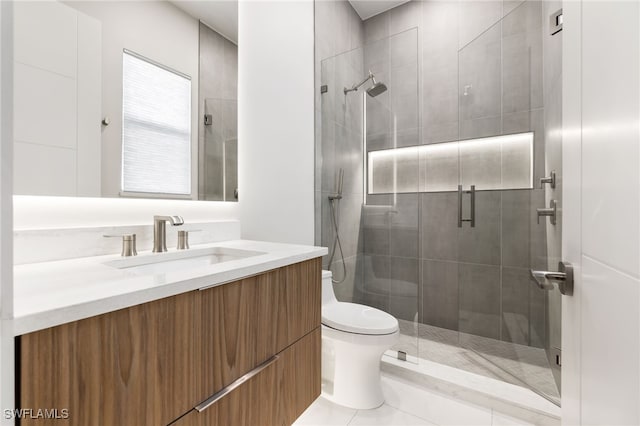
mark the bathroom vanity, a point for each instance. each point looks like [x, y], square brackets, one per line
[236, 342]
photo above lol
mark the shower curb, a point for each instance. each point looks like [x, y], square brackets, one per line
[505, 398]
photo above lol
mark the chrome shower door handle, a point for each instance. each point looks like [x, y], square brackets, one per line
[472, 203]
[563, 278]
[459, 206]
[472, 219]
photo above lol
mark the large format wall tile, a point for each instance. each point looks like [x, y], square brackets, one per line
[479, 300]
[405, 16]
[403, 288]
[345, 291]
[515, 231]
[475, 18]
[440, 294]
[376, 28]
[515, 305]
[481, 165]
[439, 168]
[522, 58]
[440, 71]
[376, 281]
[538, 320]
[404, 226]
[439, 226]
[348, 157]
[375, 216]
[481, 244]
[480, 76]
[539, 233]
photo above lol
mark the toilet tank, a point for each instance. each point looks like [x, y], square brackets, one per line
[328, 296]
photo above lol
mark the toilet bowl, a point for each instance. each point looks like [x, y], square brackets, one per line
[354, 338]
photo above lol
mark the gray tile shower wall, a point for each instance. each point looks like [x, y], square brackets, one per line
[217, 96]
[455, 70]
[339, 34]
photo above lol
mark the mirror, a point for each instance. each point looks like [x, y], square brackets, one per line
[126, 99]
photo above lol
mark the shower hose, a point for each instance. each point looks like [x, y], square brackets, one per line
[336, 242]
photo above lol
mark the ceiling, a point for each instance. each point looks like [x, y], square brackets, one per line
[221, 15]
[369, 8]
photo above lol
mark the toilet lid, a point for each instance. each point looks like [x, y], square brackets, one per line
[360, 319]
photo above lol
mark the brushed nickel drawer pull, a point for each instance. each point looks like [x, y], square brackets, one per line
[227, 390]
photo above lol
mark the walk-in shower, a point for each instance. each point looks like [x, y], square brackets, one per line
[432, 182]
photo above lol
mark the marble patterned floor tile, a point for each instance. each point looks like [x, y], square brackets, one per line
[386, 415]
[325, 413]
[513, 363]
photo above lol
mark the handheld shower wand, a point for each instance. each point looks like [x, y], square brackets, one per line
[333, 200]
[338, 194]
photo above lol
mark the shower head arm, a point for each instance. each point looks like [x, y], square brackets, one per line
[358, 85]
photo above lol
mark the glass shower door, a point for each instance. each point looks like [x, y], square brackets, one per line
[378, 231]
[502, 313]
[218, 168]
[391, 259]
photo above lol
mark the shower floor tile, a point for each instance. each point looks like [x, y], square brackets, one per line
[512, 363]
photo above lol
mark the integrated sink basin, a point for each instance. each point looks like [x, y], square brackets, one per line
[159, 263]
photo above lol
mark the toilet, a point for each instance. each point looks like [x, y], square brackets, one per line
[354, 338]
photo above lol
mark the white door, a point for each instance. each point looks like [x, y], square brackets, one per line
[601, 212]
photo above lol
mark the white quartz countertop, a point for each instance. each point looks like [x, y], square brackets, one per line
[52, 293]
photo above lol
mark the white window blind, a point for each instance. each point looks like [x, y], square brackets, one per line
[156, 132]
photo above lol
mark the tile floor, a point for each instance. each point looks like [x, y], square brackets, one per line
[512, 363]
[407, 405]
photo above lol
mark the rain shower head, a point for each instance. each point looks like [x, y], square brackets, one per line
[372, 91]
[377, 89]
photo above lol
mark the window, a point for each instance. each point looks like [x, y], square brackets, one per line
[156, 131]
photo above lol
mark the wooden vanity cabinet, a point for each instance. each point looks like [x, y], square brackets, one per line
[276, 396]
[151, 364]
[247, 322]
[134, 366]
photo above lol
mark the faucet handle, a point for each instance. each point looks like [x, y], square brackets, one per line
[551, 180]
[128, 244]
[183, 238]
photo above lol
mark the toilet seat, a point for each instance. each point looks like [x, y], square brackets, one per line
[360, 319]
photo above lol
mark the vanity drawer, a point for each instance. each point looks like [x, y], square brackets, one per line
[276, 395]
[129, 367]
[245, 323]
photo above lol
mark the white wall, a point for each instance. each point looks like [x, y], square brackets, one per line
[157, 30]
[601, 165]
[275, 120]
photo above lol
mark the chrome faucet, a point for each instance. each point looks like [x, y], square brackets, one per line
[160, 231]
